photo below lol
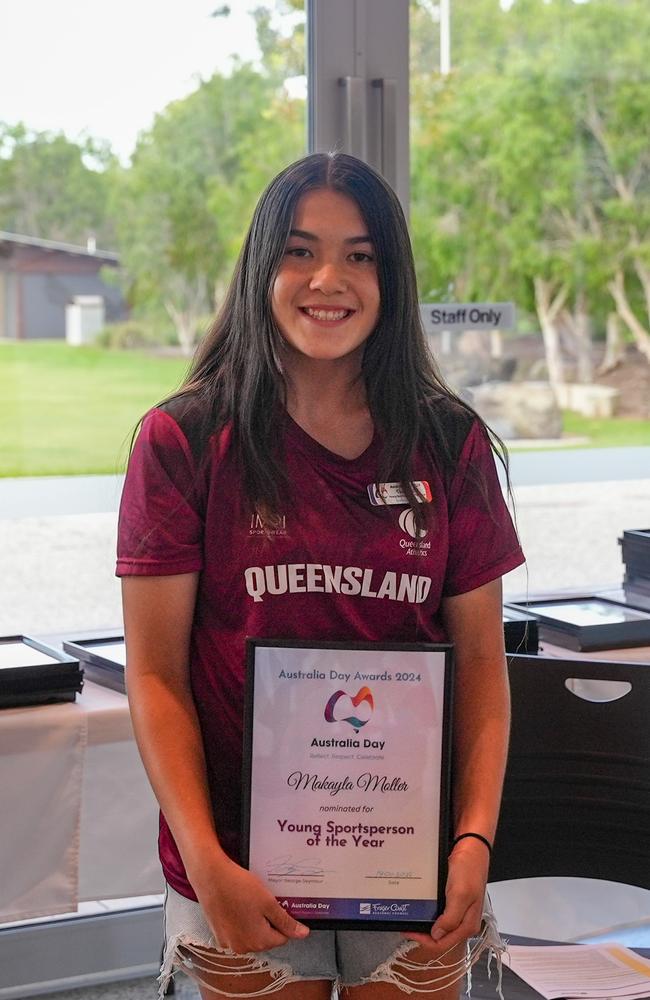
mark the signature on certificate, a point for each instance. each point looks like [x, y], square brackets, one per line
[382, 873]
[287, 865]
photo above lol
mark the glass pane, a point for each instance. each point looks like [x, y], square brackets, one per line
[134, 141]
[530, 188]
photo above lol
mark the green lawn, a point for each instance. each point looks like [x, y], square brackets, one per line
[617, 432]
[71, 410]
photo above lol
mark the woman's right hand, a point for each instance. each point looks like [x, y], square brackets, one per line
[243, 915]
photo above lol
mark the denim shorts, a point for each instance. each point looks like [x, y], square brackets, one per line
[348, 958]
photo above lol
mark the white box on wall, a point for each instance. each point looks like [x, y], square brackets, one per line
[85, 316]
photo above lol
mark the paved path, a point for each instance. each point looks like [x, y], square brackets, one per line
[579, 465]
[57, 571]
[53, 495]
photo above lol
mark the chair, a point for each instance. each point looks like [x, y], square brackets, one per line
[576, 798]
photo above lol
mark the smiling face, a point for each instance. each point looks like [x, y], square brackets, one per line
[325, 296]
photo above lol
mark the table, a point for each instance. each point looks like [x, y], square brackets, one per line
[513, 987]
[79, 821]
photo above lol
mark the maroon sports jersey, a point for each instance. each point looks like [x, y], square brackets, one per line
[337, 566]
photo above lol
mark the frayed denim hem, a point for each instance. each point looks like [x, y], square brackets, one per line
[399, 971]
[182, 953]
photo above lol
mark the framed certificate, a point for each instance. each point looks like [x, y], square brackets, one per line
[589, 622]
[346, 779]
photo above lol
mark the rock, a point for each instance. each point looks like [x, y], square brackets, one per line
[589, 399]
[519, 409]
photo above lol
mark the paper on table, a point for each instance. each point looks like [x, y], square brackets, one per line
[583, 972]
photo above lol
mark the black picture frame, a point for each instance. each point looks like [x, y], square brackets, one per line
[99, 668]
[520, 631]
[635, 551]
[58, 680]
[360, 922]
[614, 624]
[628, 596]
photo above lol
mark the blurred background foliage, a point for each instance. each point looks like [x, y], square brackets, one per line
[530, 172]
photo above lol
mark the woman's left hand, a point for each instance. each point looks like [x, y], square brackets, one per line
[465, 892]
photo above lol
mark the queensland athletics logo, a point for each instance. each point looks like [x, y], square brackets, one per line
[408, 525]
[363, 696]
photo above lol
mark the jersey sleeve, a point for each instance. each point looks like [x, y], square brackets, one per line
[160, 526]
[483, 543]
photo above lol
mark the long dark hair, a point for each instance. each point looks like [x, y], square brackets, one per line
[237, 376]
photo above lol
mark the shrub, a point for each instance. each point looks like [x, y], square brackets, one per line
[130, 334]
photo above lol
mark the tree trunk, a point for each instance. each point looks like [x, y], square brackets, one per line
[625, 311]
[582, 337]
[192, 293]
[184, 321]
[613, 346]
[548, 310]
[496, 344]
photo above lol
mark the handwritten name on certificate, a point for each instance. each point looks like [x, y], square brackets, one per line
[348, 791]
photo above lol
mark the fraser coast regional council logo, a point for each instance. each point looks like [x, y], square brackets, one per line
[363, 695]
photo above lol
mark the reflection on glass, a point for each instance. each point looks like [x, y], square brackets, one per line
[589, 612]
[125, 187]
[19, 654]
[115, 651]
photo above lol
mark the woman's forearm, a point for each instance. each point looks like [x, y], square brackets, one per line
[169, 739]
[158, 616]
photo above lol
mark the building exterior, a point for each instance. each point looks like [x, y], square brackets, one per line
[39, 278]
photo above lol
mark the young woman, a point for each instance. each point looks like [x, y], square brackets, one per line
[313, 384]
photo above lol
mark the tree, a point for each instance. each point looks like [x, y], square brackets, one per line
[54, 188]
[616, 117]
[185, 200]
[530, 165]
[280, 30]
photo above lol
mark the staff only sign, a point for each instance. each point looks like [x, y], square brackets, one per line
[437, 316]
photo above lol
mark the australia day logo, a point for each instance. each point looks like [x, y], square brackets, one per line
[339, 703]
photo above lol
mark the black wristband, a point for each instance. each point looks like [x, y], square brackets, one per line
[477, 836]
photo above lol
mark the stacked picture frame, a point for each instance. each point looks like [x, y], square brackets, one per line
[33, 673]
[103, 659]
[587, 622]
[635, 550]
[520, 630]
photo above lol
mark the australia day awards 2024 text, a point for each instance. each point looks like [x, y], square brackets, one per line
[347, 773]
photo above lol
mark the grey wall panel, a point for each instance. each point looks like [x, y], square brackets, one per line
[3, 304]
[8, 305]
[61, 954]
[45, 297]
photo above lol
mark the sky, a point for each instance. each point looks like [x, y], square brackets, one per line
[105, 69]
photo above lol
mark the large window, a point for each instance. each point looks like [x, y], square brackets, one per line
[129, 165]
[125, 184]
[526, 179]
[530, 186]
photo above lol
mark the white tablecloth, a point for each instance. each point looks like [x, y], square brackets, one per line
[78, 820]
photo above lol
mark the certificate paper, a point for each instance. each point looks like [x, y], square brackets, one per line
[346, 765]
